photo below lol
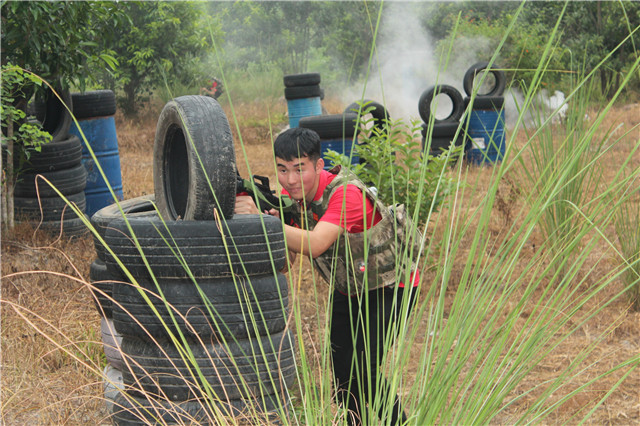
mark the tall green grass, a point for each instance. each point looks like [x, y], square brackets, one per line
[491, 311]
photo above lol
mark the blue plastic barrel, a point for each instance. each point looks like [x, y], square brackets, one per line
[486, 136]
[101, 135]
[342, 146]
[303, 107]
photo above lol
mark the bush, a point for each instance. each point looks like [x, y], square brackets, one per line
[392, 161]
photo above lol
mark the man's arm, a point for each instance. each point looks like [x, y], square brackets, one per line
[310, 243]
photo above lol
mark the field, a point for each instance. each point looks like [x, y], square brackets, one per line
[51, 348]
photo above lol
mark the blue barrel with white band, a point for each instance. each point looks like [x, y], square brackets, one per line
[486, 135]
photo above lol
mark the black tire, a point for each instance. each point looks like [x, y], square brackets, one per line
[55, 156]
[129, 410]
[102, 281]
[307, 79]
[424, 103]
[500, 80]
[253, 306]
[134, 207]
[301, 92]
[486, 102]
[181, 183]
[332, 126]
[441, 138]
[379, 112]
[71, 226]
[236, 369]
[67, 181]
[53, 114]
[112, 344]
[445, 129]
[96, 103]
[48, 209]
[247, 248]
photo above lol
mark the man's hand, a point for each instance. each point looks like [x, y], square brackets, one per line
[246, 205]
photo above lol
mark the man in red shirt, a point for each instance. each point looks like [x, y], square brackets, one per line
[333, 210]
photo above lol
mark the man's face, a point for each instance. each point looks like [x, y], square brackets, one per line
[300, 177]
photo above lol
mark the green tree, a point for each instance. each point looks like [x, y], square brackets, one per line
[51, 41]
[287, 34]
[592, 30]
[56, 40]
[161, 42]
[16, 132]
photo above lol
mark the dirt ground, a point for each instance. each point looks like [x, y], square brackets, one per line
[44, 385]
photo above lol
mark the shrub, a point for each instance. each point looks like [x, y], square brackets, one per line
[392, 161]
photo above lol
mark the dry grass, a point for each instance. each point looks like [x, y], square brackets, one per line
[42, 385]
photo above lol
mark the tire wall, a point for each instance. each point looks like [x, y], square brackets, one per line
[59, 162]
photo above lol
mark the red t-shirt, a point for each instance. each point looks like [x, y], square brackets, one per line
[348, 213]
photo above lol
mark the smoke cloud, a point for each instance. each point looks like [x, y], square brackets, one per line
[408, 63]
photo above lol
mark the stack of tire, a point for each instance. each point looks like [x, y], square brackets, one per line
[94, 111]
[303, 95]
[199, 302]
[338, 132]
[444, 131]
[487, 116]
[102, 282]
[59, 162]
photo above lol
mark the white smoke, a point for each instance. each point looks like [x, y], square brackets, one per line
[407, 63]
[541, 108]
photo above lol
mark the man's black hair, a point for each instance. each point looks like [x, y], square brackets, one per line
[297, 142]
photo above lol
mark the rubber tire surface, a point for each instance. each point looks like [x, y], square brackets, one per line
[53, 115]
[72, 226]
[132, 410]
[379, 112]
[424, 103]
[112, 344]
[470, 75]
[492, 103]
[248, 307]
[180, 181]
[301, 92]
[67, 181]
[96, 103]
[238, 369]
[55, 156]
[201, 245]
[307, 79]
[442, 129]
[332, 126]
[52, 207]
[134, 207]
[103, 279]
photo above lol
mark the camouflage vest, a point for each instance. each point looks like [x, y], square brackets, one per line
[366, 260]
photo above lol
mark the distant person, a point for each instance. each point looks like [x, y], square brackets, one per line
[332, 208]
[214, 88]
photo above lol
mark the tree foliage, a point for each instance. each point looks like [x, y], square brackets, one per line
[589, 32]
[19, 136]
[59, 40]
[287, 34]
[160, 43]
